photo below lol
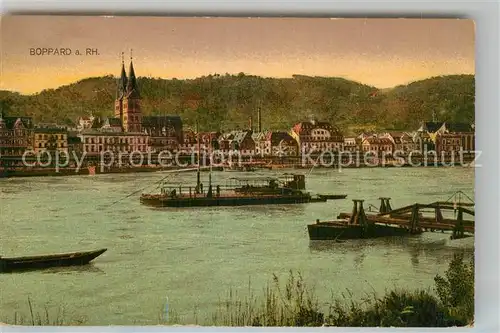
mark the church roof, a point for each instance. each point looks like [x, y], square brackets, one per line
[132, 88]
[121, 84]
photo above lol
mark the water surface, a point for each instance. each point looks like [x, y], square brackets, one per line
[194, 256]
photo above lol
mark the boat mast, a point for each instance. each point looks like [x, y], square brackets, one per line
[210, 160]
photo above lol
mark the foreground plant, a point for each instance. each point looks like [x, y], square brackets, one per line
[456, 289]
[293, 306]
[43, 318]
[297, 306]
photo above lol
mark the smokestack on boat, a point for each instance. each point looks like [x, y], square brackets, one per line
[259, 119]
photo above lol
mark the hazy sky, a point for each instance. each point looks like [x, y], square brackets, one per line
[379, 52]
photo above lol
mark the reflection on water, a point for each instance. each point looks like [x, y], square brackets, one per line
[415, 245]
[74, 270]
[90, 268]
[195, 256]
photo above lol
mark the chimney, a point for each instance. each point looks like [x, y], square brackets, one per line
[250, 125]
[259, 119]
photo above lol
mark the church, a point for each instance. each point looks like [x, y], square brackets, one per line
[165, 132]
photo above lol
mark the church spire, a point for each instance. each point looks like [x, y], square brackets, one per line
[122, 82]
[132, 89]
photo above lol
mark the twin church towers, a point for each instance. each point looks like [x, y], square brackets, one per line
[128, 100]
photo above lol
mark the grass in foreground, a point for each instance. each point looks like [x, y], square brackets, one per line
[43, 318]
[296, 305]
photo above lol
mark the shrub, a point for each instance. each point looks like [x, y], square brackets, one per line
[456, 289]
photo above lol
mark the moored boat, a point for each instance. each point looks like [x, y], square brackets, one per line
[342, 230]
[46, 261]
[332, 196]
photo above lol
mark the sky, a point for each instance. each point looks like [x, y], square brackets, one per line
[379, 52]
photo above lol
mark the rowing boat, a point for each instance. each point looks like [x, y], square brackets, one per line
[46, 261]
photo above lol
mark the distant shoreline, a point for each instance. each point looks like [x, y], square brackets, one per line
[46, 172]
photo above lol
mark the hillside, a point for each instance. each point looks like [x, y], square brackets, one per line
[227, 101]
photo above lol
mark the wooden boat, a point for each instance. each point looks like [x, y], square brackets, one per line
[46, 261]
[225, 200]
[318, 199]
[332, 196]
[248, 191]
[342, 230]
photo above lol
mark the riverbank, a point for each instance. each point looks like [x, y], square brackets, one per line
[53, 172]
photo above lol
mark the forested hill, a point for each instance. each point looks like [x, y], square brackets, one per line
[227, 101]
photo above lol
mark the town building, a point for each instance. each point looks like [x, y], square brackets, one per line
[95, 142]
[262, 144]
[225, 143]
[377, 145]
[16, 135]
[448, 143]
[51, 140]
[445, 136]
[455, 137]
[239, 141]
[365, 135]
[466, 132]
[111, 125]
[84, 122]
[165, 132]
[352, 144]
[209, 141]
[402, 141]
[189, 142]
[275, 143]
[75, 146]
[313, 136]
[425, 137]
[407, 143]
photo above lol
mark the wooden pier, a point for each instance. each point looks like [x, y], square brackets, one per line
[411, 219]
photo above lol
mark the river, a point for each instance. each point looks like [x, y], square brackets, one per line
[195, 256]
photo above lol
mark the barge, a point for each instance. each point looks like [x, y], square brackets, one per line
[225, 200]
[249, 191]
[332, 196]
[342, 230]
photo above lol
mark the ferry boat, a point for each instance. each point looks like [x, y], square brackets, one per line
[241, 192]
[247, 191]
